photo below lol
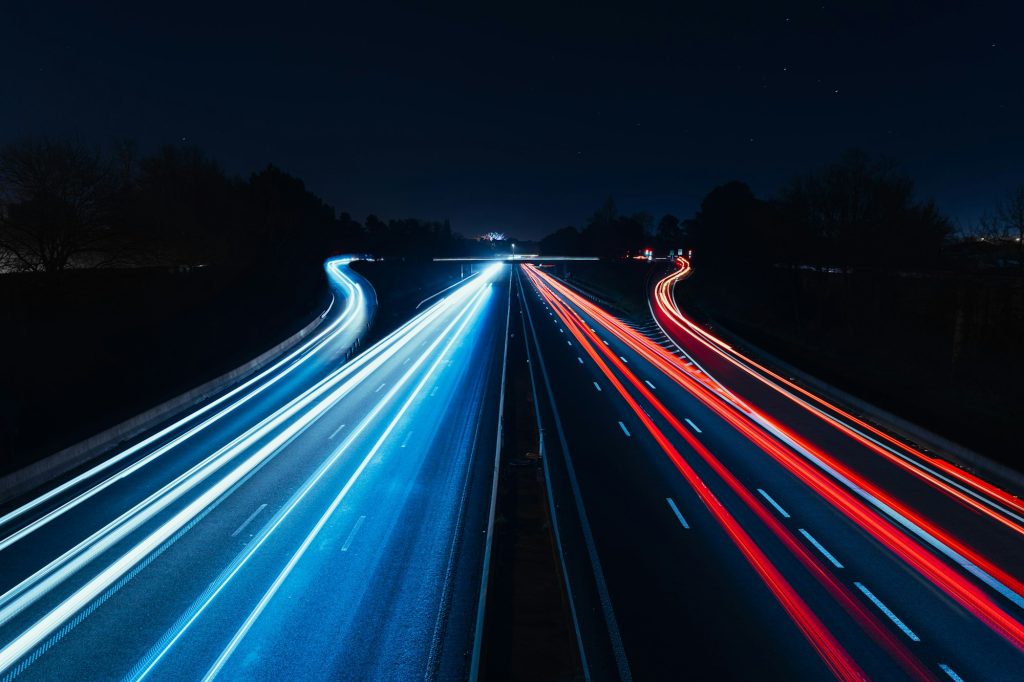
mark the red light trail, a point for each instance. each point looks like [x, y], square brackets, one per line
[740, 416]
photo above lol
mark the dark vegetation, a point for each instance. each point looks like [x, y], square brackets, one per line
[64, 206]
[847, 276]
[942, 350]
[95, 347]
[128, 279]
[404, 284]
[111, 258]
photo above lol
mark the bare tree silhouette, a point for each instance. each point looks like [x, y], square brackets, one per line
[56, 201]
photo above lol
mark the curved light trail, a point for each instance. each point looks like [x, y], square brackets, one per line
[145, 508]
[905, 532]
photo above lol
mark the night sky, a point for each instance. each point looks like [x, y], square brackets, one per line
[524, 118]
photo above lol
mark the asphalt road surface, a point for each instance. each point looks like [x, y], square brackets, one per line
[710, 535]
[326, 519]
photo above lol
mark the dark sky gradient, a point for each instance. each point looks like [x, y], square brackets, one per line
[523, 119]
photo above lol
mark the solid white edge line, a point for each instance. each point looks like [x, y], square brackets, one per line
[481, 607]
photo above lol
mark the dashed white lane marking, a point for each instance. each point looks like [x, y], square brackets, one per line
[624, 429]
[676, 511]
[820, 548]
[889, 614]
[351, 536]
[380, 387]
[949, 671]
[773, 503]
[597, 386]
[692, 425]
[624, 359]
[580, 359]
[405, 441]
[648, 383]
[335, 432]
[249, 520]
[434, 391]
[570, 343]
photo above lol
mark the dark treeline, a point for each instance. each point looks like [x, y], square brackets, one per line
[856, 213]
[847, 275]
[859, 212]
[65, 205]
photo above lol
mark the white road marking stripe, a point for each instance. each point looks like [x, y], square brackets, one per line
[949, 671]
[251, 517]
[597, 386]
[580, 359]
[570, 343]
[679, 515]
[352, 534]
[966, 564]
[434, 391]
[624, 359]
[885, 609]
[648, 383]
[335, 432]
[380, 387]
[624, 429]
[773, 503]
[405, 441]
[692, 425]
[821, 548]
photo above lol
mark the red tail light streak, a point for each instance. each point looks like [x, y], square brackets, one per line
[746, 421]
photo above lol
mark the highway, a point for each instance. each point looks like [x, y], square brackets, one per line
[712, 527]
[324, 519]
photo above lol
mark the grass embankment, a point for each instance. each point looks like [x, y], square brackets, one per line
[86, 350]
[940, 349]
[401, 285]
